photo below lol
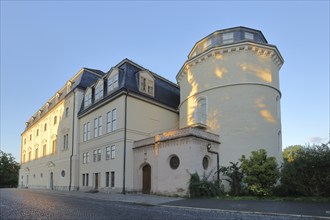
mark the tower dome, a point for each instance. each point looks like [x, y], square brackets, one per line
[230, 86]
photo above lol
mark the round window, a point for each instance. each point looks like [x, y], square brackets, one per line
[63, 173]
[174, 162]
[205, 162]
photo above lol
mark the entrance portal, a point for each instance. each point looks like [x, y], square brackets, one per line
[146, 184]
[51, 184]
[96, 180]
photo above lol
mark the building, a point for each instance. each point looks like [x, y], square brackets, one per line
[132, 130]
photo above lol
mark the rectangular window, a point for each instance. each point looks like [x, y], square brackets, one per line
[107, 153]
[113, 152]
[94, 155]
[100, 126]
[88, 130]
[109, 122]
[54, 146]
[248, 35]
[112, 179]
[45, 127]
[87, 179]
[88, 99]
[37, 134]
[66, 141]
[115, 81]
[87, 157]
[143, 84]
[99, 155]
[228, 38]
[44, 150]
[96, 126]
[84, 158]
[114, 119]
[107, 179]
[85, 132]
[36, 154]
[150, 87]
[83, 180]
[67, 112]
[99, 92]
[55, 120]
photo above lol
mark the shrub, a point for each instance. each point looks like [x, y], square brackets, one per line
[260, 173]
[235, 176]
[202, 187]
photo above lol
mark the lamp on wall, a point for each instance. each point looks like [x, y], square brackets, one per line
[208, 147]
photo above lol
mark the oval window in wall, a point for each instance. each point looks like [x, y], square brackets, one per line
[63, 173]
[205, 162]
[174, 162]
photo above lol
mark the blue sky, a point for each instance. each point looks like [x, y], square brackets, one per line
[43, 44]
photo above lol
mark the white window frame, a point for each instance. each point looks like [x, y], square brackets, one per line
[99, 154]
[88, 99]
[88, 130]
[85, 132]
[114, 120]
[94, 155]
[228, 37]
[107, 153]
[112, 83]
[96, 127]
[99, 92]
[100, 126]
[113, 152]
[109, 121]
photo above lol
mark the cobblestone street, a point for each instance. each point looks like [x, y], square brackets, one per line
[41, 204]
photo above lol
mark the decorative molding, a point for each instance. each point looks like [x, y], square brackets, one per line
[261, 50]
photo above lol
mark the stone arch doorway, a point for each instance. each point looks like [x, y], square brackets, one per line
[146, 180]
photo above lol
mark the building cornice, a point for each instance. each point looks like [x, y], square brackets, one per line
[266, 50]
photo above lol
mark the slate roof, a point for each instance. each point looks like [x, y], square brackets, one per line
[84, 78]
[165, 92]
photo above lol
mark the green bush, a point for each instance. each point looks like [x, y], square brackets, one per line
[202, 187]
[308, 174]
[235, 176]
[260, 173]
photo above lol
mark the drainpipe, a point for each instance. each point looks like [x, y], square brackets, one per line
[218, 166]
[125, 140]
[74, 103]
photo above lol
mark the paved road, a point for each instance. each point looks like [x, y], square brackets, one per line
[308, 209]
[31, 204]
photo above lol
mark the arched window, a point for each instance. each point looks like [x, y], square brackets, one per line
[201, 111]
[45, 127]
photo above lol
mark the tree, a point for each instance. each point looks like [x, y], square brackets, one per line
[309, 173]
[8, 170]
[260, 172]
[290, 153]
[235, 176]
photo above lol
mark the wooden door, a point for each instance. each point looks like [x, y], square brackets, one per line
[146, 184]
[96, 180]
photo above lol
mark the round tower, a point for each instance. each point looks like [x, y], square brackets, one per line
[230, 86]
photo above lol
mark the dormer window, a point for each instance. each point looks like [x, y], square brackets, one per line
[99, 91]
[113, 81]
[147, 84]
[228, 37]
[88, 97]
[248, 36]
